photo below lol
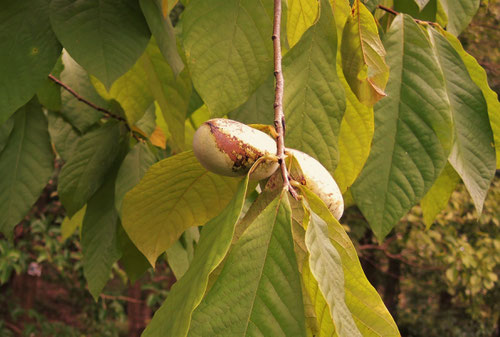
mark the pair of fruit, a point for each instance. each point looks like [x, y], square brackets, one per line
[230, 148]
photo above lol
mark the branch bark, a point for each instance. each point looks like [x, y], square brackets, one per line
[279, 116]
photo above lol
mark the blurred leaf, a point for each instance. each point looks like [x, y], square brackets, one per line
[314, 99]
[26, 164]
[79, 114]
[326, 266]
[131, 90]
[163, 31]
[171, 92]
[105, 36]
[69, 226]
[85, 171]
[132, 260]
[49, 93]
[174, 316]
[478, 75]
[472, 155]
[301, 14]
[132, 169]
[437, 198]
[421, 3]
[29, 52]
[5, 131]
[460, 13]
[367, 308]
[363, 56]
[410, 7]
[412, 136]
[259, 287]
[63, 135]
[175, 194]
[100, 246]
[228, 50]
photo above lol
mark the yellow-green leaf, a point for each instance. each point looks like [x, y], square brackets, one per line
[69, 225]
[301, 15]
[174, 194]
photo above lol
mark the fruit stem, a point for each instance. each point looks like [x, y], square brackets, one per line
[279, 116]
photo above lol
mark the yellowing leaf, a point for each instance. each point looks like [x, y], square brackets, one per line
[69, 226]
[301, 15]
[158, 138]
[175, 194]
[363, 56]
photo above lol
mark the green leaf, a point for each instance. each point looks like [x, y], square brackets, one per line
[130, 90]
[180, 254]
[413, 130]
[437, 198]
[460, 13]
[132, 261]
[259, 288]
[105, 36]
[367, 308]
[478, 75]
[163, 31]
[258, 109]
[174, 316]
[26, 164]
[172, 93]
[301, 14]
[421, 3]
[326, 267]
[370, 4]
[175, 194]
[410, 7]
[363, 56]
[69, 226]
[314, 99]
[228, 50]
[49, 93]
[85, 171]
[132, 169]
[5, 131]
[79, 114]
[29, 52]
[100, 246]
[472, 155]
[63, 135]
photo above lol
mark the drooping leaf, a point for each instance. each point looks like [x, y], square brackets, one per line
[26, 164]
[367, 308]
[131, 90]
[172, 93]
[322, 316]
[174, 316]
[175, 194]
[79, 114]
[472, 155]
[106, 37]
[259, 289]
[363, 56]
[86, 169]
[132, 169]
[301, 14]
[163, 31]
[460, 13]
[437, 198]
[228, 50]
[100, 246]
[478, 75]
[63, 135]
[314, 99]
[258, 109]
[326, 266]
[69, 226]
[413, 130]
[132, 260]
[28, 52]
[180, 254]
[49, 93]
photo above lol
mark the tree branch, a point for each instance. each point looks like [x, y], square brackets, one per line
[90, 104]
[279, 116]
